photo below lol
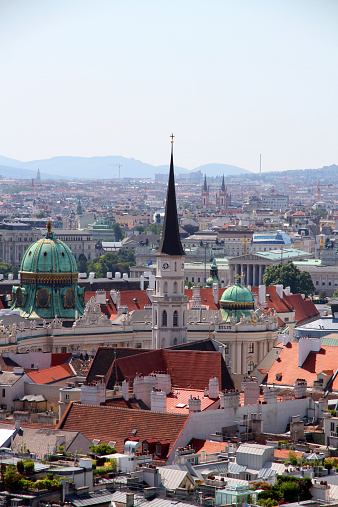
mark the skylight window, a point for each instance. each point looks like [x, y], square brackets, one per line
[181, 405]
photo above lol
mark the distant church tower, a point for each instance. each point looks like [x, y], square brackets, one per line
[169, 302]
[38, 177]
[205, 193]
[224, 197]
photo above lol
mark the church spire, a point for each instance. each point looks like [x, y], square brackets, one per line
[205, 186]
[170, 241]
[223, 185]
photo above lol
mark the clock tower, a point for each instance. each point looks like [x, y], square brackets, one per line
[169, 302]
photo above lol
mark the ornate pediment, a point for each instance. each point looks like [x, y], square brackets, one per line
[92, 316]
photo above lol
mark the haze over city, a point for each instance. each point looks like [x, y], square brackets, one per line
[230, 79]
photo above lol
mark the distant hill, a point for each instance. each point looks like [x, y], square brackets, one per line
[220, 169]
[100, 167]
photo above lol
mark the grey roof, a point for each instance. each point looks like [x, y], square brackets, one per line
[104, 496]
[252, 449]
[172, 479]
[41, 441]
[235, 468]
[32, 397]
[9, 378]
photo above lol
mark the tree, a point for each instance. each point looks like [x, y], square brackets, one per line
[118, 232]
[102, 449]
[6, 268]
[335, 294]
[288, 275]
[82, 264]
[155, 228]
[120, 261]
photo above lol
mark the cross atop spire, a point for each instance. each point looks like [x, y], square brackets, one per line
[170, 241]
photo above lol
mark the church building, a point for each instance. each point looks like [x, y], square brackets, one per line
[169, 302]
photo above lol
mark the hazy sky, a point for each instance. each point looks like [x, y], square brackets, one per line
[230, 78]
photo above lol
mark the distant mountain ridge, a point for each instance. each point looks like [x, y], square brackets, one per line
[101, 168]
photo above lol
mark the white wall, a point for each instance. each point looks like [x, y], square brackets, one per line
[275, 419]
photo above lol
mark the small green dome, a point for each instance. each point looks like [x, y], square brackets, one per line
[236, 301]
[237, 294]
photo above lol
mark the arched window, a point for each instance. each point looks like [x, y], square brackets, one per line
[182, 288]
[164, 319]
[183, 318]
[175, 266]
[175, 287]
[175, 341]
[165, 287]
[251, 366]
[163, 343]
[175, 318]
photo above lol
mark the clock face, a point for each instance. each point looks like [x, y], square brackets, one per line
[165, 265]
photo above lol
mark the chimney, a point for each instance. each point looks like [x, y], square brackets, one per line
[93, 394]
[229, 399]
[261, 294]
[215, 293]
[279, 290]
[270, 395]
[251, 393]
[158, 401]
[129, 499]
[213, 388]
[125, 390]
[194, 404]
[163, 382]
[300, 386]
[142, 282]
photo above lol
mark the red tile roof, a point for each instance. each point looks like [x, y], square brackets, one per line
[190, 369]
[206, 298]
[118, 424]
[104, 359]
[287, 365]
[304, 309]
[181, 396]
[60, 358]
[209, 446]
[51, 375]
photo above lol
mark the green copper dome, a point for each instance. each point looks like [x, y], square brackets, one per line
[236, 301]
[48, 281]
[49, 255]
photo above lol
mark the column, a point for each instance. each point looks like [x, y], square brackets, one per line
[233, 357]
[250, 274]
[260, 274]
[239, 357]
[243, 354]
[245, 274]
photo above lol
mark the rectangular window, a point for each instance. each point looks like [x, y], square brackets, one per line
[251, 348]
[67, 396]
[332, 426]
[226, 348]
[192, 279]
[158, 449]
[3, 393]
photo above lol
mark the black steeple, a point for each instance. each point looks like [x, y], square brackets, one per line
[205, 186]
[223, 185]
[170, 241]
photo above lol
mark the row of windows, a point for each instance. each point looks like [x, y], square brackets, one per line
[251, 348]
[165, 287]
[164, 319]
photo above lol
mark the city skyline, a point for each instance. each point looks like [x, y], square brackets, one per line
[232, 80]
